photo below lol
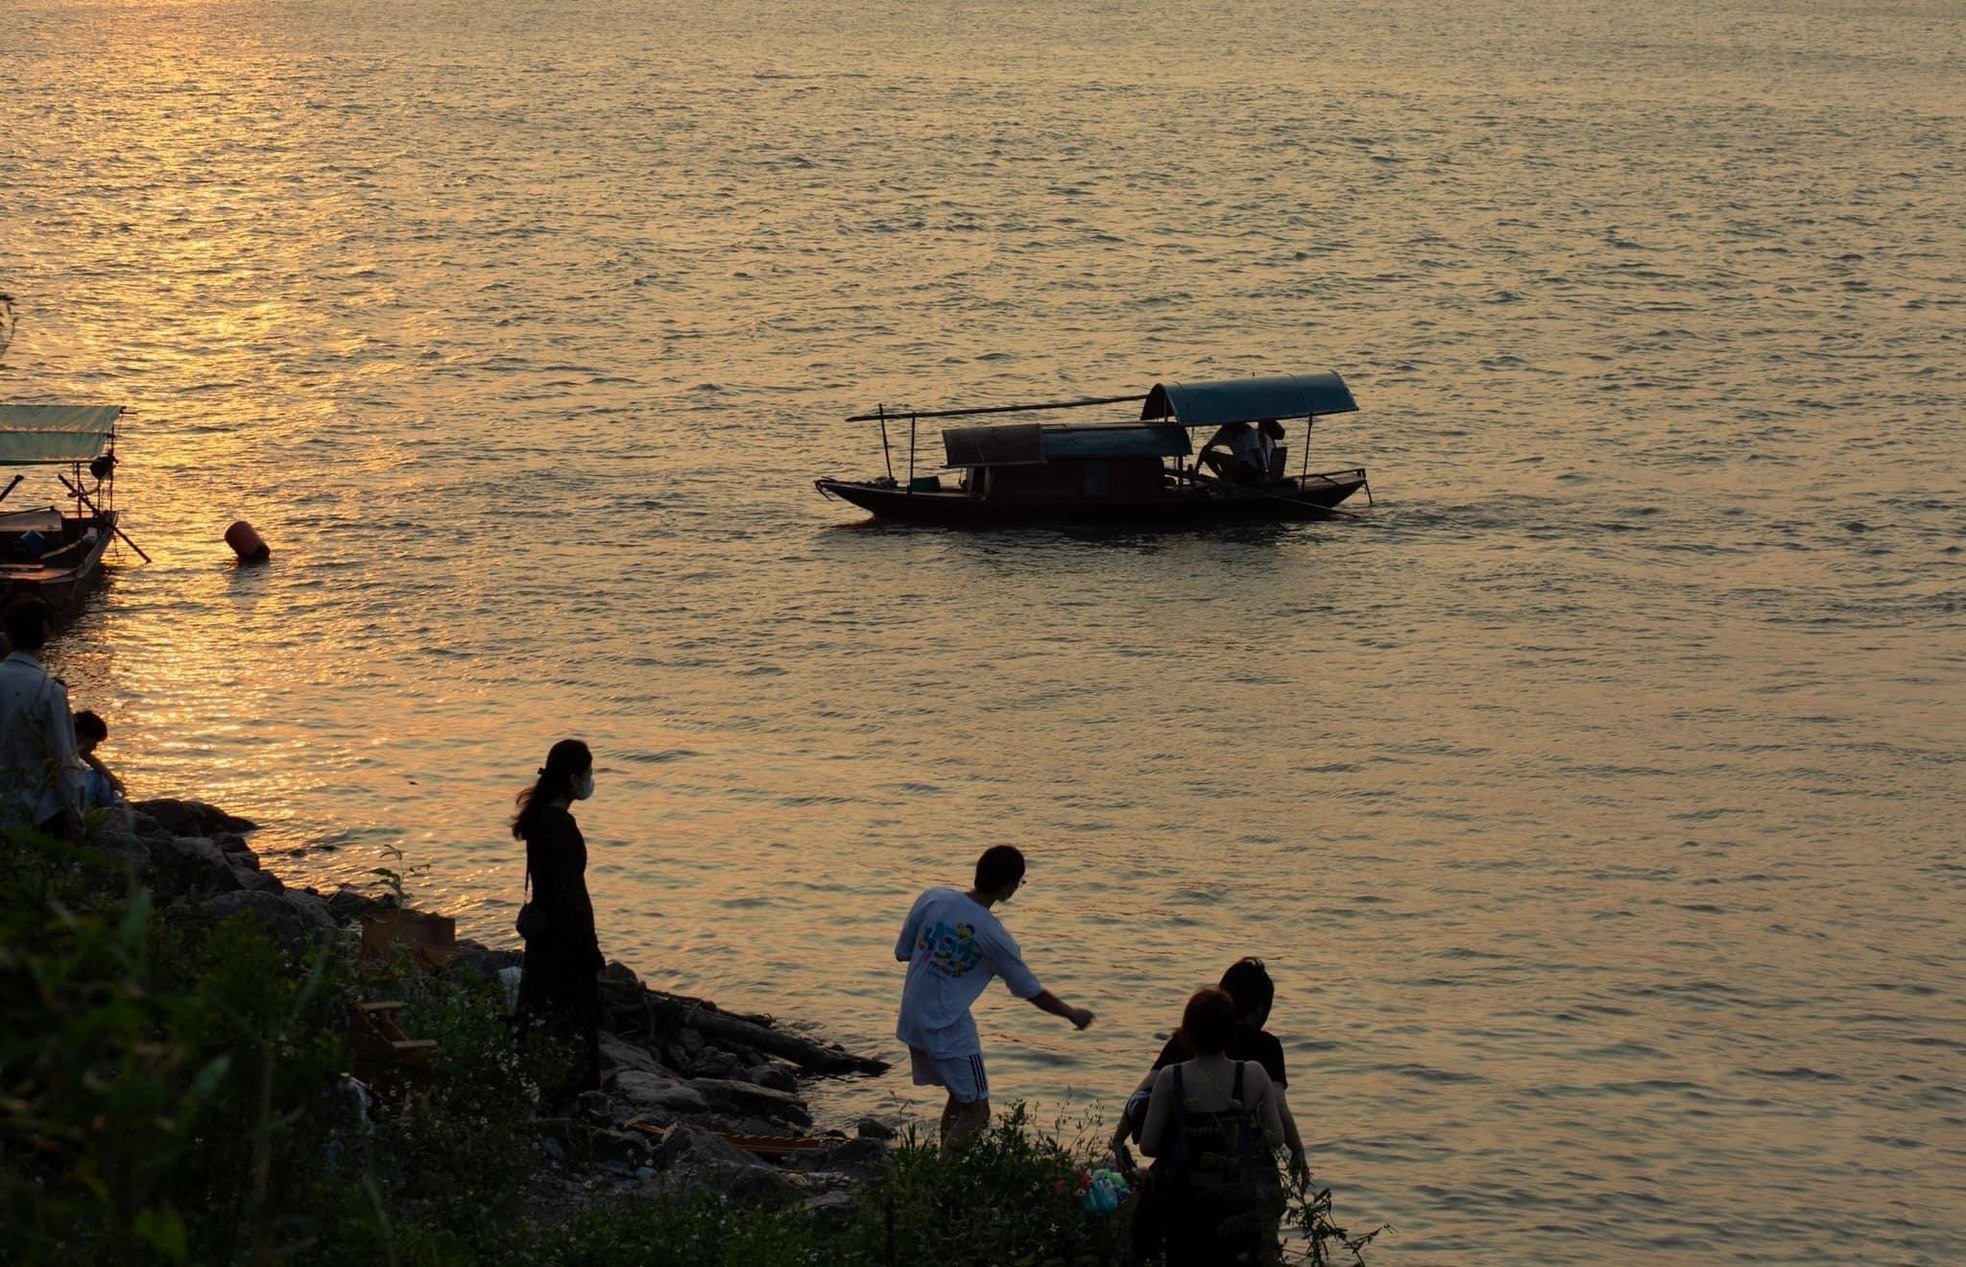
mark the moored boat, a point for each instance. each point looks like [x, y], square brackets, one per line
[55, 551]
[1143, 471]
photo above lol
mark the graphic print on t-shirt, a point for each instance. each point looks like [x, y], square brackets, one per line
[951, 950]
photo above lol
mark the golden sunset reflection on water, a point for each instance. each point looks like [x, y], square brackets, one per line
[1591, 796]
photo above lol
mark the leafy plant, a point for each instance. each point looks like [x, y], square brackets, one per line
[1324, 1241]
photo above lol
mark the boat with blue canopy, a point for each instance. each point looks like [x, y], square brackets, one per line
[1143, 470]
[55, 551]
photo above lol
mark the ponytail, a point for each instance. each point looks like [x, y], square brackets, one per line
[567, 761]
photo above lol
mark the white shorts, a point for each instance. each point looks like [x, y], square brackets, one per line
[962, 1075]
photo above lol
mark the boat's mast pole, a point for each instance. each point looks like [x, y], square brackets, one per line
[880, 411]
[911, 453]
[1308, 420]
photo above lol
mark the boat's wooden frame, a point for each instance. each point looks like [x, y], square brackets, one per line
[68, 562]
[1185, 496]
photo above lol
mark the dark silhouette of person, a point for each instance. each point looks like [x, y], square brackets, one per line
[40, 775]
[557, 986]
[1211, 1122]
[1247, 983]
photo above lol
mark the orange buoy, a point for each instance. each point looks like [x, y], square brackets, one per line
[246, 543]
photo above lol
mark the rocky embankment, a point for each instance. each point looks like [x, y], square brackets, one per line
[693, 1097]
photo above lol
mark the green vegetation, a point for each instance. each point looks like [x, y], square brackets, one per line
[171, 1091]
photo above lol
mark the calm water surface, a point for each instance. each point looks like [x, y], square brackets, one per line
[1594, 797]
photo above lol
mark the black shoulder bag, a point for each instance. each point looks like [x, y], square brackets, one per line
[533, 921]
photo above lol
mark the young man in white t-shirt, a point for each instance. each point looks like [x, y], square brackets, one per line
[953, 945]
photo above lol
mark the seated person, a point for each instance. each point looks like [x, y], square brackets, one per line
[100, 786]
[1239, 464]
[1269, 438]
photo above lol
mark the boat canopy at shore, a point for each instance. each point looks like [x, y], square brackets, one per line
[56, 435]
[1134, 470]
[52, 551]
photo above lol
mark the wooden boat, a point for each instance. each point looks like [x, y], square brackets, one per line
[1136, 471]
[56, 551]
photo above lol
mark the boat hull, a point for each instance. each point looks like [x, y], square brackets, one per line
[64, 579]
[1312, 497]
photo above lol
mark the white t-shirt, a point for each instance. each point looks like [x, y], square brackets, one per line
[39, 773]
[953, 946]
[1247, 445]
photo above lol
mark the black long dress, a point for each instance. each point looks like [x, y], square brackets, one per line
[557, 985]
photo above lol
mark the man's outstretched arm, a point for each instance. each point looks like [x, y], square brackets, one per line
[1046, 1001]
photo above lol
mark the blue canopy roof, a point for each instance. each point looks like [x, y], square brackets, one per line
[1222, 401]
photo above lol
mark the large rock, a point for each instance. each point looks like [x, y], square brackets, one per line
[718, 1064]
[295, 925]
[855, 1158]
[585, 1142]
[650, 1090]
[192, 818]
[257, 881]
[191, 864]
[777, 1077]
[686, 1145]
[350, 905]
[121, 848]
[619, 1053]
[702, 1159]
[311, 907]
[744, 1097]
[621, 991]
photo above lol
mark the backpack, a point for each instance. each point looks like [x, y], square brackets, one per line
[1217, 1171]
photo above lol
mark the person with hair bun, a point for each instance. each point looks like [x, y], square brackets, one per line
[1212, 1124]
[557, 986]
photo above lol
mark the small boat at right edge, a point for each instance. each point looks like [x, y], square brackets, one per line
[1143, 471]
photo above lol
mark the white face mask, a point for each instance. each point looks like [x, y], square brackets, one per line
[583, 787]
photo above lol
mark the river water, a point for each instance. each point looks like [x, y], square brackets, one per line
[1594, 796]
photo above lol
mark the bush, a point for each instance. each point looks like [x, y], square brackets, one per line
[1011, 1195]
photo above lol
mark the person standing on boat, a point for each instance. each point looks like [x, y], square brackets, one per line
[557, 985]
[953, 945]
[40, 775]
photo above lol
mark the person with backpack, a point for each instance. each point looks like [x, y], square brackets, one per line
[1213, 1128]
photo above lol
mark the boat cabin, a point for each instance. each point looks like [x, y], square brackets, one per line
[1041, 462]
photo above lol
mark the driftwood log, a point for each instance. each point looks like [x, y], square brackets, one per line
[636, 1009]
[707, 1020]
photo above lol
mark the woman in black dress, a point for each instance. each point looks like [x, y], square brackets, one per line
[557, 987]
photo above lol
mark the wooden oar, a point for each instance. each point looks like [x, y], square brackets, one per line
[1199, 478]
[4, 492]
[84, 498]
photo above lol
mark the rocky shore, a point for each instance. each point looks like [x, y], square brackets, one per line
[694, 1098]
